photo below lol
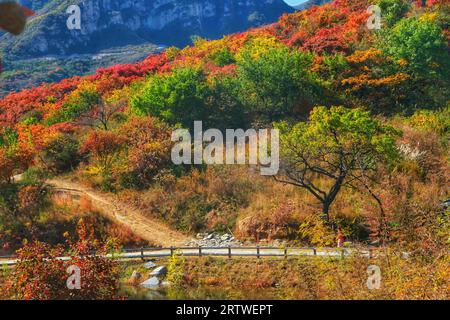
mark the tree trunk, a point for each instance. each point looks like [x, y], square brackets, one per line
[326, 211]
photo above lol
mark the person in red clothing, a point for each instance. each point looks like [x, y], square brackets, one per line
[340, 238]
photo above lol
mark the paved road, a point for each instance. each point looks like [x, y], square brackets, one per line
[224, 252]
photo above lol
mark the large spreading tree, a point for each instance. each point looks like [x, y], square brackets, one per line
[336, 148]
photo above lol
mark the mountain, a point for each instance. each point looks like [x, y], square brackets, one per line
[115, 23]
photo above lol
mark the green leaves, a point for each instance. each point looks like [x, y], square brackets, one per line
[338, 147]
[178, 98]
[352, 131]
[276, 80]
[420, 46]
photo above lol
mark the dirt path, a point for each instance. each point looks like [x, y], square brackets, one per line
[147, 228]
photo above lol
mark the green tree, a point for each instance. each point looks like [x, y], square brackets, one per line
[223, 57]
[337, 147]
[393, 10]
[178, 98]
[276, 81]
[60, 153]
[418, 48]
[74, 108]
[420, 44]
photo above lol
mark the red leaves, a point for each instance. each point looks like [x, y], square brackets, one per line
[101, 143]
[40, 275]
[330, 28]
[116, 77]
[15, 105]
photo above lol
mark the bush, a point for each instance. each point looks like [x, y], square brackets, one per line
[60, 153]
[148, 145]
[40, 275]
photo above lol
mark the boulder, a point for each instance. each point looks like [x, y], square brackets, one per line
[135, 277]
[149, 265]
[225, 237]
[209, 236]
[150, 283]
[160, 271]
[166, 283]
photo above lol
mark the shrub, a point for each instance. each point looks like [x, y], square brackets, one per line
[59, 153]
[148, 144]
[40, 275]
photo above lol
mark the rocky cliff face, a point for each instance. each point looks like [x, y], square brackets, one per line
[108, 23]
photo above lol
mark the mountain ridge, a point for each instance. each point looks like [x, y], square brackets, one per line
[114, 23]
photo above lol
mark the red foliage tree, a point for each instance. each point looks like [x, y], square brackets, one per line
[41, 275]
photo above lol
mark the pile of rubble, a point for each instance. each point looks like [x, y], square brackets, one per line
[214, 240]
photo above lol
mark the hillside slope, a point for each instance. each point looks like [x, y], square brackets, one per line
[146, 228]
[112, 129]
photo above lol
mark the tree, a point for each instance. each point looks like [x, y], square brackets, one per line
[419, 44]
[419, 49]
[59, 152]
[178, 98]
[79, 102]
[148, 147]
[85, 106]
[14, 160]
[371, 79]
[101, 112]
[275, 81]
[393, 10]
[104, 147]
[337, 147]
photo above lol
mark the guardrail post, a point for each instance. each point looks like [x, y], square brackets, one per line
[315, 251]
[199, 251]
[257, 252]
[285, 253]
[370, 253]
[171, 251]
[142, 253]
[229, 252]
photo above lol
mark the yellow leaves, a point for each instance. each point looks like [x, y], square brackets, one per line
[361, 56]
[258, 45]
[93, 170]
[117, 95]
[314, 229]
[402, 62]
[85, 86]
[172, 53]
[428, 17]
[204, 49]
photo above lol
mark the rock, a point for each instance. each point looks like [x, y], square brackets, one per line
[150, 283]
[166, 284]
[135, 277]
[214, 240]
[225, 237]
[209, 236]
[160, 271]
[139, 17]
[149, 265]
